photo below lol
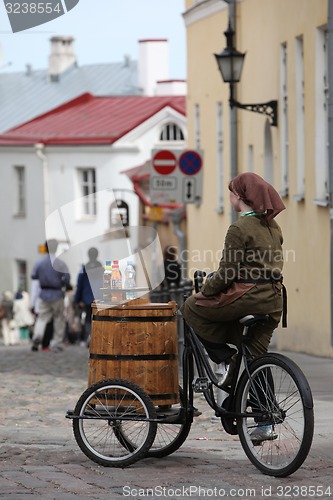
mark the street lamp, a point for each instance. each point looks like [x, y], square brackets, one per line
[230, 63]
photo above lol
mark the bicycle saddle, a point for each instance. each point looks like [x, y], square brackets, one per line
[252, 319]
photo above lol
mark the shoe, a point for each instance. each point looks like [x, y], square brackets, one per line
[220, 353]
[263, 433]
[57, 348]
[196, 412]
[46, 349]
[34, 347]
[224, 374]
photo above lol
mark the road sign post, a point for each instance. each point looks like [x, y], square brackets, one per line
[176, 176]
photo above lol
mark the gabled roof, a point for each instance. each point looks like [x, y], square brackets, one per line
[25, 95]
[90, 120]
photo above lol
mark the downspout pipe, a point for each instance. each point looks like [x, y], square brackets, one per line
[40, 152]
[330, 142]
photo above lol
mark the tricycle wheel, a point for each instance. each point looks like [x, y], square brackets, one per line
[112, 423]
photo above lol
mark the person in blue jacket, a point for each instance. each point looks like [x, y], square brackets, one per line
[89, 283]
[53, 277]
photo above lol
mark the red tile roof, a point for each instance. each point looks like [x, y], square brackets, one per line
[90, 120]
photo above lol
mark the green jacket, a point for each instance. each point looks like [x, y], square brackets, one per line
[252, 250]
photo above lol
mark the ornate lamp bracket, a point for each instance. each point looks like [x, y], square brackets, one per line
[269, 109]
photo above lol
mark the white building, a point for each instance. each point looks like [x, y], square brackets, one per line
[60, 166]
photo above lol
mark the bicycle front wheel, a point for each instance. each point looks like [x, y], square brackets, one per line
[112, 423]
[277, 432]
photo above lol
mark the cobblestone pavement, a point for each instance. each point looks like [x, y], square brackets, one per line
[39, 456]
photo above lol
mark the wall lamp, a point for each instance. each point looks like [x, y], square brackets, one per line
[230, 63]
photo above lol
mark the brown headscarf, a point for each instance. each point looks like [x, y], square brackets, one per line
[257, 193]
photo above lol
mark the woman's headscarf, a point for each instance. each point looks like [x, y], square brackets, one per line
[257, 193]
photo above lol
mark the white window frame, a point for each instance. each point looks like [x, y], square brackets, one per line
[87, 187]
[171, 131]
[197, 137]
[300, 113]
[268, 154]
[284, 122]
[219, 157]
[321, 120]
[250, 158]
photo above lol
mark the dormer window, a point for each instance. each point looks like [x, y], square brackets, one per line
[172, 132]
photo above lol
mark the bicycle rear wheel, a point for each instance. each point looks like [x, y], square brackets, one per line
[277, 399]
[111, 423]
[170, 436]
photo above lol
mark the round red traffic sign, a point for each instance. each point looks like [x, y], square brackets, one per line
[164, 162]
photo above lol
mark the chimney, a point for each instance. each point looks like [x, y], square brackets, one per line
[153, 64]
[171, 87]
[62, 56]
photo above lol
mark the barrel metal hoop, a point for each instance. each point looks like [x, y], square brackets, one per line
[163, 396]
[134, 319]
[133, 357]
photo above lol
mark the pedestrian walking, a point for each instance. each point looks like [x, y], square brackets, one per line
[53, 276]
[73, 318]
[89, 283]
[34, 307]
[9, 329]
[23, 317]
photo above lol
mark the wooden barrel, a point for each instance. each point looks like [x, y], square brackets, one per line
[137, 342]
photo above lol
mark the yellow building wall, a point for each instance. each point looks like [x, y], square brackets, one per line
[206, 228]
[262, 26]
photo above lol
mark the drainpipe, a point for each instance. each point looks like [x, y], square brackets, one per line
[39, 148]
[330, 142]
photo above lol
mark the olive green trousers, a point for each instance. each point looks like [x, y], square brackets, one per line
[217, 325]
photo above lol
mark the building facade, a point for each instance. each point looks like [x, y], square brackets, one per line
[287, 47]
[63, 178]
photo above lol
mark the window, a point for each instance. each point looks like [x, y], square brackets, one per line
[197, 126]
[20, 208]
[220, 164]
[250, 159]
[321, 135]
[284, 124]
[87, 182]
[172, 132]
[300, 155]
[119, 219]
[268, 156]
[21, 267]
[119, 214]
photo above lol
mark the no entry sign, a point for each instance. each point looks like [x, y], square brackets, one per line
[164, 162]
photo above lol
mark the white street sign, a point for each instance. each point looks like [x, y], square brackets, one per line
[176, 176]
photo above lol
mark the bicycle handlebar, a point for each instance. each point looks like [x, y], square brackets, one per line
[198, 280]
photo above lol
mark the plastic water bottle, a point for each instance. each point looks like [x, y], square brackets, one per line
[116, 282]
[130, 281]
[107, 282]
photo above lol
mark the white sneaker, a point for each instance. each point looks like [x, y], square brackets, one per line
[263, 433]
[223, 374]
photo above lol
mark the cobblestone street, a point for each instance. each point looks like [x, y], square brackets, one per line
[40, 457]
